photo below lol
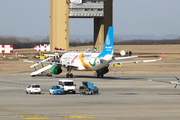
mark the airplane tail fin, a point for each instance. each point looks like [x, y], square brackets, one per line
[108, 44]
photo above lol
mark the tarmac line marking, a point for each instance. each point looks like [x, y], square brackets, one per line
[18, 111]
[164, 83]
[78, 117]
[34, 118]
[36, 115]
[143, 84]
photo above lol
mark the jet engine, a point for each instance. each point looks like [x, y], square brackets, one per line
[55, 70]
[122, 53]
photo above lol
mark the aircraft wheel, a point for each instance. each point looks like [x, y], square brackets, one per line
[71, 75]
[102, 75]
[98, 75]
[67, 75]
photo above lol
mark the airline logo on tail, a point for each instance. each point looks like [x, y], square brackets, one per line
[108, 45]
[108, 41]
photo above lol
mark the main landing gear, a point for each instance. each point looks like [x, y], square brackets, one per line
[69, 74]
[101, 72]
[100, 75]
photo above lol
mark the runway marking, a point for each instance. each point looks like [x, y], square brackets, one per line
[143, 84]
[127, 94]
[78, 117]
[34, 117]
[164, 83]
[17, 111]
[151, 84]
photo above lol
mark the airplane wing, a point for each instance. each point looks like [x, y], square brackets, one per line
[175, 83]
[40, 62]
[121, 62]
[120, 58]
[54, 63]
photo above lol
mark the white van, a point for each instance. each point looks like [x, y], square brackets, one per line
[68, 86]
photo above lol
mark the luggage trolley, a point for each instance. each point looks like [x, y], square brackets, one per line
[88, 88]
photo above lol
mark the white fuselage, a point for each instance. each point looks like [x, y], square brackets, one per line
[85, 61]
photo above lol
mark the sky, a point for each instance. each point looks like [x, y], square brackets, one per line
[27, 18]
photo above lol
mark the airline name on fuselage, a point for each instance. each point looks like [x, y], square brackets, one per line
[87, 55]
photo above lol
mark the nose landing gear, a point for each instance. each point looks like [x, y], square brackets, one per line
[69, 74]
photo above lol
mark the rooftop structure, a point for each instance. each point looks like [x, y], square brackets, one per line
[62, 10]
[88, 8]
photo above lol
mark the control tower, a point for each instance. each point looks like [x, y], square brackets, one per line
[62, 10]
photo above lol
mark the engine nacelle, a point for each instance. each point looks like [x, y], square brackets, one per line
[55, 70]
[125, 53]
[122, 53]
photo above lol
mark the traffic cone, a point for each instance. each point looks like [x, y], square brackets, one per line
[4, 57]
[17, 55]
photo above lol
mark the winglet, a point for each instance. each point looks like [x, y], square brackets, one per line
[162, 55]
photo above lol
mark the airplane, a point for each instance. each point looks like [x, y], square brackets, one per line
[177, 83]
[86, 61]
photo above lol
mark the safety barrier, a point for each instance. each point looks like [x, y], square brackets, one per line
[6, 48]
[45, 47]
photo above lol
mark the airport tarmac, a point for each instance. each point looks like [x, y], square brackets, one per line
[121, 97]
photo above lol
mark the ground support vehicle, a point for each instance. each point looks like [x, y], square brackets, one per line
[33, 88]
[56, 90]
[88, 88]
[68, 85]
